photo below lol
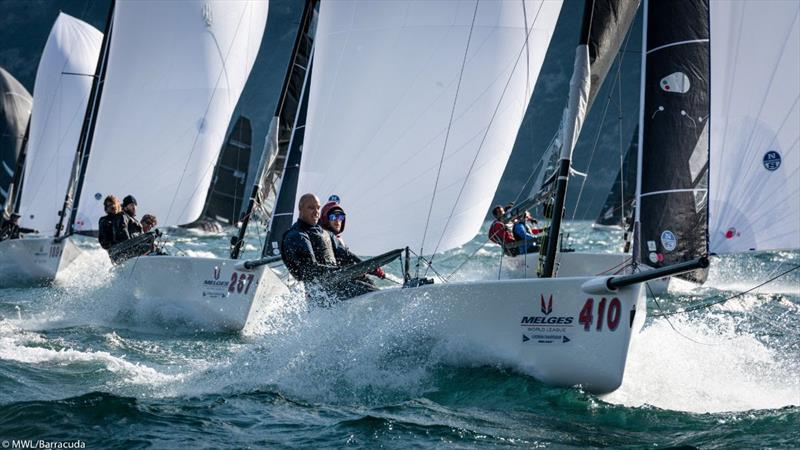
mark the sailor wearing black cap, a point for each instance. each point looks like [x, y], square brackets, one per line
[129, 205]
[10, 228]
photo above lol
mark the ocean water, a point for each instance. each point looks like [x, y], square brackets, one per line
[77, 364]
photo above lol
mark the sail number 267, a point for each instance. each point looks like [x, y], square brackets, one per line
[240, 282]
[611, 316]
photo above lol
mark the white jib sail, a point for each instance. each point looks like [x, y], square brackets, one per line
[754, 183]
[175, 73]
[386, 78]
[61, 90]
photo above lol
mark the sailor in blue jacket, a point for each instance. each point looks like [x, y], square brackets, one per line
[523, 233]
[308, 251]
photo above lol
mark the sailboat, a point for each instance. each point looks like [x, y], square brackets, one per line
[63, 82]
[226, 195]
[433, 94]
[170, 76]
[15, 113]
[406, 163]
[617, 211]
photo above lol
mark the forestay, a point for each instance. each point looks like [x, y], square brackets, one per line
[408, 93]
[63, 81]
[755, 131]
[175, 73]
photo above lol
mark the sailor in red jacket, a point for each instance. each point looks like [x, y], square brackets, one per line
[500, 232]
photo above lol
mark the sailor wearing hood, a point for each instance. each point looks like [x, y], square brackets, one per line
[334, 219]
[309, 252]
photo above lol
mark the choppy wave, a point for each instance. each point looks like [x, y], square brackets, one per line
[343, 376]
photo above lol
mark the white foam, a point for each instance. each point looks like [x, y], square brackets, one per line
[21, 348]
[729, 371]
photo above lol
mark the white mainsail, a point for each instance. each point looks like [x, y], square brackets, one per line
[175, 73]
[63, 81]
[387, 77]
[754, 184]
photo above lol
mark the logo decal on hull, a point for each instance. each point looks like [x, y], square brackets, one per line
[545, 339]
[216, 272]
[546, 328]
[548, 307]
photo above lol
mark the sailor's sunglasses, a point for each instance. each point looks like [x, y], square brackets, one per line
[335, 216]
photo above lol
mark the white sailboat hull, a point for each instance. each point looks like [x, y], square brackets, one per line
[532, 325]
[217, 294]
[34, 260]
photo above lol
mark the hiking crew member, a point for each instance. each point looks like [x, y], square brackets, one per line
[113, 227]
[500, 233]
[10, 228]
[333, 219]
[308, 252]
[519, 241]
[129, 205]
[149, 222]
[523, 233]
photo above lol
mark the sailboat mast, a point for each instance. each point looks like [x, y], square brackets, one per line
[637, 208]
[284, 121]
[580, 85]
[78, 173]
[14, 189]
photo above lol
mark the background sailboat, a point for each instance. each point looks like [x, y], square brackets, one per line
[15, 112]
[166, 100]
[63, 81]
[228, 190]
[617, 210]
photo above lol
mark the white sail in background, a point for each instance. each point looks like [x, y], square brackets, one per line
[754, 184]
[175, 73]
[386, 78]
[61, 90]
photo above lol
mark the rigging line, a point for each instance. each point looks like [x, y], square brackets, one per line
[718, 302]
[485, 134]
[447, 134]
[469, 257]
[620, 60]
[422, 258]
[222, 72]
[671, 325]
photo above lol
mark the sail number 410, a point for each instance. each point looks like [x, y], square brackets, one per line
[612, 316]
